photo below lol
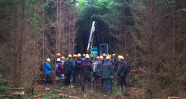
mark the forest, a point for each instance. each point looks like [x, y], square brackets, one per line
[150, 34]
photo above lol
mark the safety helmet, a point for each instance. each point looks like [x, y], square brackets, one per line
[113, 54]
[101, 57]
[97, 57]
[69, 56]
[84, 55]
[79, 55]
[58, 54]
[62, 57]
[108, 57]
[74, 55]
[58, 59]
[104, 54]
[87, 56]
[48, 59]
[120, 57]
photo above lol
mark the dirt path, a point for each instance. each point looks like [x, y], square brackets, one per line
[72, 92]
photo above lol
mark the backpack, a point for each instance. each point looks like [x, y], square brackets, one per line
[60, 68]
[78, 64]
[98, 69]
[123, 68]
[127, 67]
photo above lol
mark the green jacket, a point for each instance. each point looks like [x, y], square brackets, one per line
[107, 70]
[70, 65]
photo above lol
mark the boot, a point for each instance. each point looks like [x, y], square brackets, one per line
[120, 90]
[123, 89]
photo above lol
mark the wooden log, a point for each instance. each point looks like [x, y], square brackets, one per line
[19, 93]
[175, 98]
[19, 88]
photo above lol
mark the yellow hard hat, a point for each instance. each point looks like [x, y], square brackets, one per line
[108, 57]
[87, 56]
[101, 57]
[120, 57]
[84, 55]
[79, 55]
[58, 54]
[69, 56]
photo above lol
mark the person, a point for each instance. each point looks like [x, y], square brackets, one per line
[68, 68]
[62, 60]
[104, 57]
[83, 57]
[102, 81]
[47, 70]
[113, 59]
[77, 69]
[58, 72]
[97, 64]
[74, 72]
[86, 73]
[123, 69]
[107, 73]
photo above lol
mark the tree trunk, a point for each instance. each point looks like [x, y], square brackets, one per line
[68, 26]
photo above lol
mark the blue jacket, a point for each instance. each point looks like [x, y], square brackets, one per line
[47, 67]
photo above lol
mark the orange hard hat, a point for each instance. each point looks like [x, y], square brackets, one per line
[87, 56]
[97, 57]
[62, 57]
[104, 54]
[74, 55]
[84, 55]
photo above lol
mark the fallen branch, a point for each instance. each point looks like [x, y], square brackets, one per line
[175, 98]
[37, 96]
[62, 94]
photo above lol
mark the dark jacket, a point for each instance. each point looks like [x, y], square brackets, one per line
[123, 68]
[99, 67]
[78, 63]
[68, 66]
[107, 70]
[86, 68]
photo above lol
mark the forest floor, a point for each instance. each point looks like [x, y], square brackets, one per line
[72, 92]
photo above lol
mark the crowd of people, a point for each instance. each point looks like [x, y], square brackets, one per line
[82, 69]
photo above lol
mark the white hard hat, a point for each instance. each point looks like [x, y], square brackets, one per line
[58, 59]
[48, 59]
